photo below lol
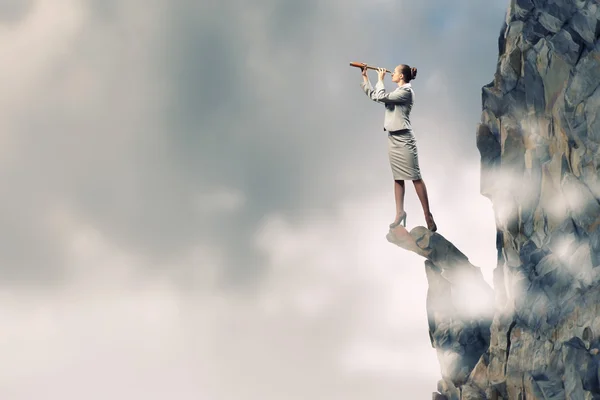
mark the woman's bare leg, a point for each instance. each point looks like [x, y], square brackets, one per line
[399, 195]
[421, 190]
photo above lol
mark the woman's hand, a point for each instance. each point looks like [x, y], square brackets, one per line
[363, 72]
[381, 73]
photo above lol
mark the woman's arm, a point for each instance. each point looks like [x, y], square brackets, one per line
[379, 94]
[366, 85]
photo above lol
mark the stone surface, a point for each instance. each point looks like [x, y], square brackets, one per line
[547, 288]
[459, 328]
[537, 335]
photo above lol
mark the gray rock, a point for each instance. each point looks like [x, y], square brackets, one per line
[556, 77]
[532, 311]
[543, 388]
[563, 239]
[534, 96]
[555, 279]
[591, 179]
[520, 8]
[539, 141]
[491, 99]
[577, 124]
[530, 255]
[591, 119]
[549, 21]
[470, 392]
[529, 196]
[595, 247]
[560, 9]
[448, 389]
[479, 376]
[493, 124]
[546, 266]
[580, 3]
[510, 70]
[512, 36]
[585, 209]
[488, 145]
[513, 101]
[459, 338]
[534, 31]
[586, 78]
[580, 367]
[584, 23]
[489, 148]
[563, 45]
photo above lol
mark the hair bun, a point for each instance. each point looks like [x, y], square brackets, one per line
[413, 71]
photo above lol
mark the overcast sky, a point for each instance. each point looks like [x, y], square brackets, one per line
[196, 195]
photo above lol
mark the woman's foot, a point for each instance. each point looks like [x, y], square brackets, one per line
[399, 218]
[431, 223]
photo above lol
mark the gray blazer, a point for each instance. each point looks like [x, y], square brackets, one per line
[397, 104]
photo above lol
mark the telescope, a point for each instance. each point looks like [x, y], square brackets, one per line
[363, 65]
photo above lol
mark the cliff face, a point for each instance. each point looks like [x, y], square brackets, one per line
[539, 142]
[460, 306]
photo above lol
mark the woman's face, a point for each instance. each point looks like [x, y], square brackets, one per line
[396, 76]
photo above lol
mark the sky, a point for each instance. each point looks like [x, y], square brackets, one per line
[197, 195]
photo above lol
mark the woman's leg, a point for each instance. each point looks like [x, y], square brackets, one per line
[399, 195]
[421, 190]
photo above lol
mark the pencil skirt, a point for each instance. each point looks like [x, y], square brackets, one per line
[404, 158]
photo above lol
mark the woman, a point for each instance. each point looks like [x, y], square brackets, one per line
[402, 147]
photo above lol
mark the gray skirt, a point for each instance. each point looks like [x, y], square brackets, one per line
[404, 159]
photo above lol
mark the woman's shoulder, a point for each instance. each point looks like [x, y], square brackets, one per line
[405, 90]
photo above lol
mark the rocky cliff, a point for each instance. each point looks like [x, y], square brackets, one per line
[539, 142]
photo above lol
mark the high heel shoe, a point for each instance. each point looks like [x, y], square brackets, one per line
[400, 220]
[431, 226]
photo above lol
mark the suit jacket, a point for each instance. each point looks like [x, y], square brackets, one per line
[397, 104]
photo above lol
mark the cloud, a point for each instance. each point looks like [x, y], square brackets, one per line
[323, 323]
[197, 194]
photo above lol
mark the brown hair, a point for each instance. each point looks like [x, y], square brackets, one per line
[408, 72]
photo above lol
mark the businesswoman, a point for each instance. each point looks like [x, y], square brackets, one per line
[402, 146]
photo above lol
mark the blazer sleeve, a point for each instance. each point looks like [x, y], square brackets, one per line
[402, 96]
[368, 89]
